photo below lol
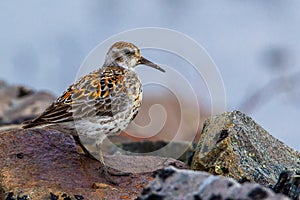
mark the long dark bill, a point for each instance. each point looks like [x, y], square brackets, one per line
[144, 61]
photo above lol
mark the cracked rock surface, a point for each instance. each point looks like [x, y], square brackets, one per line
[234, 145]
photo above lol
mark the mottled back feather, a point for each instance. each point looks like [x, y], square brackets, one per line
[90, 96]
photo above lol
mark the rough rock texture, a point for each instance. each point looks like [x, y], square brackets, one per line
[173, 184]
[233, 145]
[182, 151]
[289, 184]
[44, 164]
[19, 103]
[169, 149]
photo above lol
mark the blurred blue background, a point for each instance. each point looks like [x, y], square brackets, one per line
[255, 45]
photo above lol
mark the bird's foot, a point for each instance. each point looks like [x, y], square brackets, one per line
[109, 172]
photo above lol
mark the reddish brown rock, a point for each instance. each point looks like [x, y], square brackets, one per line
[44, 164]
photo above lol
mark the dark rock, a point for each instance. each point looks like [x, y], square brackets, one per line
[11, 196]
[192, 185]
[51, 168]
[78, 197]
[20, 155]
[53, 196]
[233, 145]
[163, 173]
[289, 184]
[122, 145]
[257, 193]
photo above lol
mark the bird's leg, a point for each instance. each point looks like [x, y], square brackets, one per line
[108, 172]
[86, 152]
[104, 168]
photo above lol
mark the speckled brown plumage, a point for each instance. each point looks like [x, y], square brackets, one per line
[98, 94]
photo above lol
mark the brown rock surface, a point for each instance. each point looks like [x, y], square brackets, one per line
[233, 145]
[44, 164]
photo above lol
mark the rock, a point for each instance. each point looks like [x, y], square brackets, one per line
[44, 164]
[173, 184]
[115, 145]
[289, 184]
[19, 103]
[160, 148]
[233, 145]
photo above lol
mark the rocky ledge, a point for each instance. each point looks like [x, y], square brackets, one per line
[235, 158]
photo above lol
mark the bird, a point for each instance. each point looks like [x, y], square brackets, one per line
[101, 103]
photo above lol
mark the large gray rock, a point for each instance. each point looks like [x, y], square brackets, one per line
[233, 145]
[178, 184]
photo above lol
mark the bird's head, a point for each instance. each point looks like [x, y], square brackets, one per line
[128, 56]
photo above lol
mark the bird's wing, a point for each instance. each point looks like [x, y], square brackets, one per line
[88, 97]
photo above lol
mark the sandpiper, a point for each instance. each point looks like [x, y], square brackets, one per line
[101, 103]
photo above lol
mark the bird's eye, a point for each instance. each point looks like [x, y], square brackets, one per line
[128, 52]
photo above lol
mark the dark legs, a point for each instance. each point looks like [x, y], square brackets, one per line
[86, 152]
[107, 172]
